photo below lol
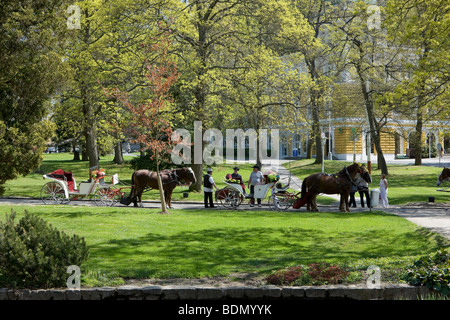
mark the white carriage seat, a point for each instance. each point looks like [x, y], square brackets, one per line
[235, 186]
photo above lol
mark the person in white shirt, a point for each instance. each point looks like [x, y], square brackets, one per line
[208, 184]
[384, 192]
[255, 177]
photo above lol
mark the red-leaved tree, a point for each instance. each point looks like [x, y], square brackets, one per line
[148, 125]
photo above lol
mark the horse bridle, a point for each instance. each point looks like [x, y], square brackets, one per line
[349, 177]
[177, 180]
[443, 179]
[174, 173]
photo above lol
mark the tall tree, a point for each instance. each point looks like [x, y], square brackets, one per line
[106, 52]
[317, 53]
[149, 123]
[262, 90]
[206, 30]
[422, 29]
[31, 73]
[369, 57]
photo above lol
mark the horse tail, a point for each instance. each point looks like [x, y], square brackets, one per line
[133, 187]
[303, 194]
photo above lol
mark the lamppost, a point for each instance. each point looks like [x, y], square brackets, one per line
[368, 141]
[330, 104]
[324, 139]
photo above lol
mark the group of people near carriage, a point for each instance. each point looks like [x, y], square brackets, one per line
[255, 178]
[346, 182]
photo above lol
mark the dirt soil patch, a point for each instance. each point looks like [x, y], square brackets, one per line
[236, 279]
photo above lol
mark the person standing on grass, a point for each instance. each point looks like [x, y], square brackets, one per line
[352, 201]
[255, 177]
[208, 184]
[384, 191]
[363, 188]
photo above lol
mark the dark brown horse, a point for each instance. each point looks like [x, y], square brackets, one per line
[143, 180]
[340, 183]
[444, 176]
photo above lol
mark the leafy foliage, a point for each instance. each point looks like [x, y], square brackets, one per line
[31, 71]
[148, 162]
[33, 254]
[432, 271]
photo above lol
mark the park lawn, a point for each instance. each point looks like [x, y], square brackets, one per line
[407, 183]
[190, 243]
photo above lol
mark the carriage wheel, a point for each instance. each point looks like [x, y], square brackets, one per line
[231, 200]
[279, 203]
[106, 197]
[52, 193]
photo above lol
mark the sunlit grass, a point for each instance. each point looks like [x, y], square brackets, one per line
[140, 243]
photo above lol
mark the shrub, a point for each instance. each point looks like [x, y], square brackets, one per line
[33, 254]
[288, 276]
[432, 271]
[324, 273]
[146, 162]
[313, 274]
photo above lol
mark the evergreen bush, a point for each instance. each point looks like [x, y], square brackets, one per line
[33, 254]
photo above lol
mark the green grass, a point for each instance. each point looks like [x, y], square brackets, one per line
[406, 183]
[139, 243]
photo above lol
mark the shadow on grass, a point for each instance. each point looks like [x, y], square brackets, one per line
[221, 251]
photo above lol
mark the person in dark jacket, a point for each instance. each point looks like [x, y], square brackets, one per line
[208, 184]
[363, 189]
[352, 201]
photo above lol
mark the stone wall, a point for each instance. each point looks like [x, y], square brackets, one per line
[353, 292]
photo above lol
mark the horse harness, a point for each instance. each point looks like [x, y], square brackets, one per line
[174, 179]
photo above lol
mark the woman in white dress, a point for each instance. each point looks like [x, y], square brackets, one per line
[384, 191]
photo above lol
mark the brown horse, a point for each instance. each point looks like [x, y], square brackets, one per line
[143, 180]
[340, 183]
[444, 176]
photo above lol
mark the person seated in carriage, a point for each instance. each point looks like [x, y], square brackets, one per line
[236, 176]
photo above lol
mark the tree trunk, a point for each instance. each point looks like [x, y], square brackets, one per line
[373, 125]
[141, 150]
[84, 153]
[309, 145]
[118, 155]
[160, 186]
[418, 139]
[91, 147]
[76, 153]
[319, 154]
[198, 172]
[314, 96]
[382, 165]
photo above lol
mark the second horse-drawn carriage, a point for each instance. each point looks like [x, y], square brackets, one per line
[234, 193]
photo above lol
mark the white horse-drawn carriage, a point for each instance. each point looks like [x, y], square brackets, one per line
[63, 188]
[234, 194]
